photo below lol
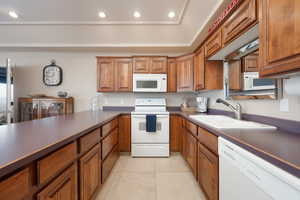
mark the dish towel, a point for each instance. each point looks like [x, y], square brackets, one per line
[151, 123]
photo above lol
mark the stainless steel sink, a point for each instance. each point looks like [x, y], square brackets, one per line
[224, 122]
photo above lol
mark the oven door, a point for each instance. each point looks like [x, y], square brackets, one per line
[139, 135]
[149, 83]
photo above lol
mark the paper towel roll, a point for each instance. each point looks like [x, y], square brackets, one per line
[292, 86]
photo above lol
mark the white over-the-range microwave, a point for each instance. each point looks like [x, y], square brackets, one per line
[149, 83]
[253, 82]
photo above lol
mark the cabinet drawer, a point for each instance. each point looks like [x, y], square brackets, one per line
[191, 127]
[109, 142]
[240, 21]
[17, 186]
[109, 127]
[89, 140]
[109, 163]
[50, 165]
[208, 139]
[63, 187]
[213, 44]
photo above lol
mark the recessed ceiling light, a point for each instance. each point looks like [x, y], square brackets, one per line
[102, 14]
[171, 14]
[136, 14]
[13, 14]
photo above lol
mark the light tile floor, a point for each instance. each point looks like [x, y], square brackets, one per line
[151, 179]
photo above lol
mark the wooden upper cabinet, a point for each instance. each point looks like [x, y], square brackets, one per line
[141, 64]
[279, 37]
[250, 63]
[123, 70]
[172, 75]
[235, 75]
[62, 188]
[214, 43]
[158, 65]
[106, 71]
[239, 21]
[199, 70]
[214, 75]
[185, 74]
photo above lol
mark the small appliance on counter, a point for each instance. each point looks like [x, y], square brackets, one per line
[202, 103]
[150, 128]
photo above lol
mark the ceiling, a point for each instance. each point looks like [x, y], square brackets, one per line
[75, 24]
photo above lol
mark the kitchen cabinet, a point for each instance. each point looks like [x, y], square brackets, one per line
[185, 73]
[175, 133]
[109, 142]
[199, 70]
[62, 188]
[90, 173]
[123, 74]
[105, 72]
[125, 133]
[153, 64]
[108, 163]
[208, 172]
[213, 75]
[250, 62]
[172, 75]
[279, 34]
[235, 75]
[37, 108]
[191, 152]
[240, 21]
[213, 43]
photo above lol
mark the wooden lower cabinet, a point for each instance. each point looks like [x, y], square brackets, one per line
[125, 133]
[109, 162]
[191, 152]
[90, 173]
[175, 133]
[63, 187]
[208, 172]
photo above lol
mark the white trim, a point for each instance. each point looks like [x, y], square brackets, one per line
[132, 22]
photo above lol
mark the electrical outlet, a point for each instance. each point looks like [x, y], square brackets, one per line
[284, 105]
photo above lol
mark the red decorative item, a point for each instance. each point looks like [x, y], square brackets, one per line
[225, 13]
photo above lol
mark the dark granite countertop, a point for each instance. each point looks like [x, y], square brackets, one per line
[22, 143]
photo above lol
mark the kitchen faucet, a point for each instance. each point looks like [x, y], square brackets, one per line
[237, 109]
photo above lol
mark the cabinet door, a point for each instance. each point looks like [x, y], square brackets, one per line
[250, 63]
[105, 72]
[279, 37]
[141, 64]
[240, 21]
[158, 65]
[213, 44]
[62, 188]
[235, 75]
[199, 70]
[172, 75]
[175, 133]
[192, 152]
[125, 133]
[184, 141]
[90, 173]
[185, 74]
[208, 172]
[123, 70]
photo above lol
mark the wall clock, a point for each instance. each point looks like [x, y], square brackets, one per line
[52, 74]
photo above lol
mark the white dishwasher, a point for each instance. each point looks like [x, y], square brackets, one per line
[244, 176]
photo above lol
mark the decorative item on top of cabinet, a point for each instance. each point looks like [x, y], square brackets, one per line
[279, 33]
[199, 69]
[214, 43]
[37, 108]
[151, 64]
[114, 74]
[172, 75]
[125, 133]
[241, 20]
[185, 73]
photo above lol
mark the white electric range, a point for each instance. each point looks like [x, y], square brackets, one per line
[150, 144]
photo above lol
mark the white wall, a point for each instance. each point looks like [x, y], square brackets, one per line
[260, 107]
[79, 78]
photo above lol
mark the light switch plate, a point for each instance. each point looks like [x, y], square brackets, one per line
[284, 105]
